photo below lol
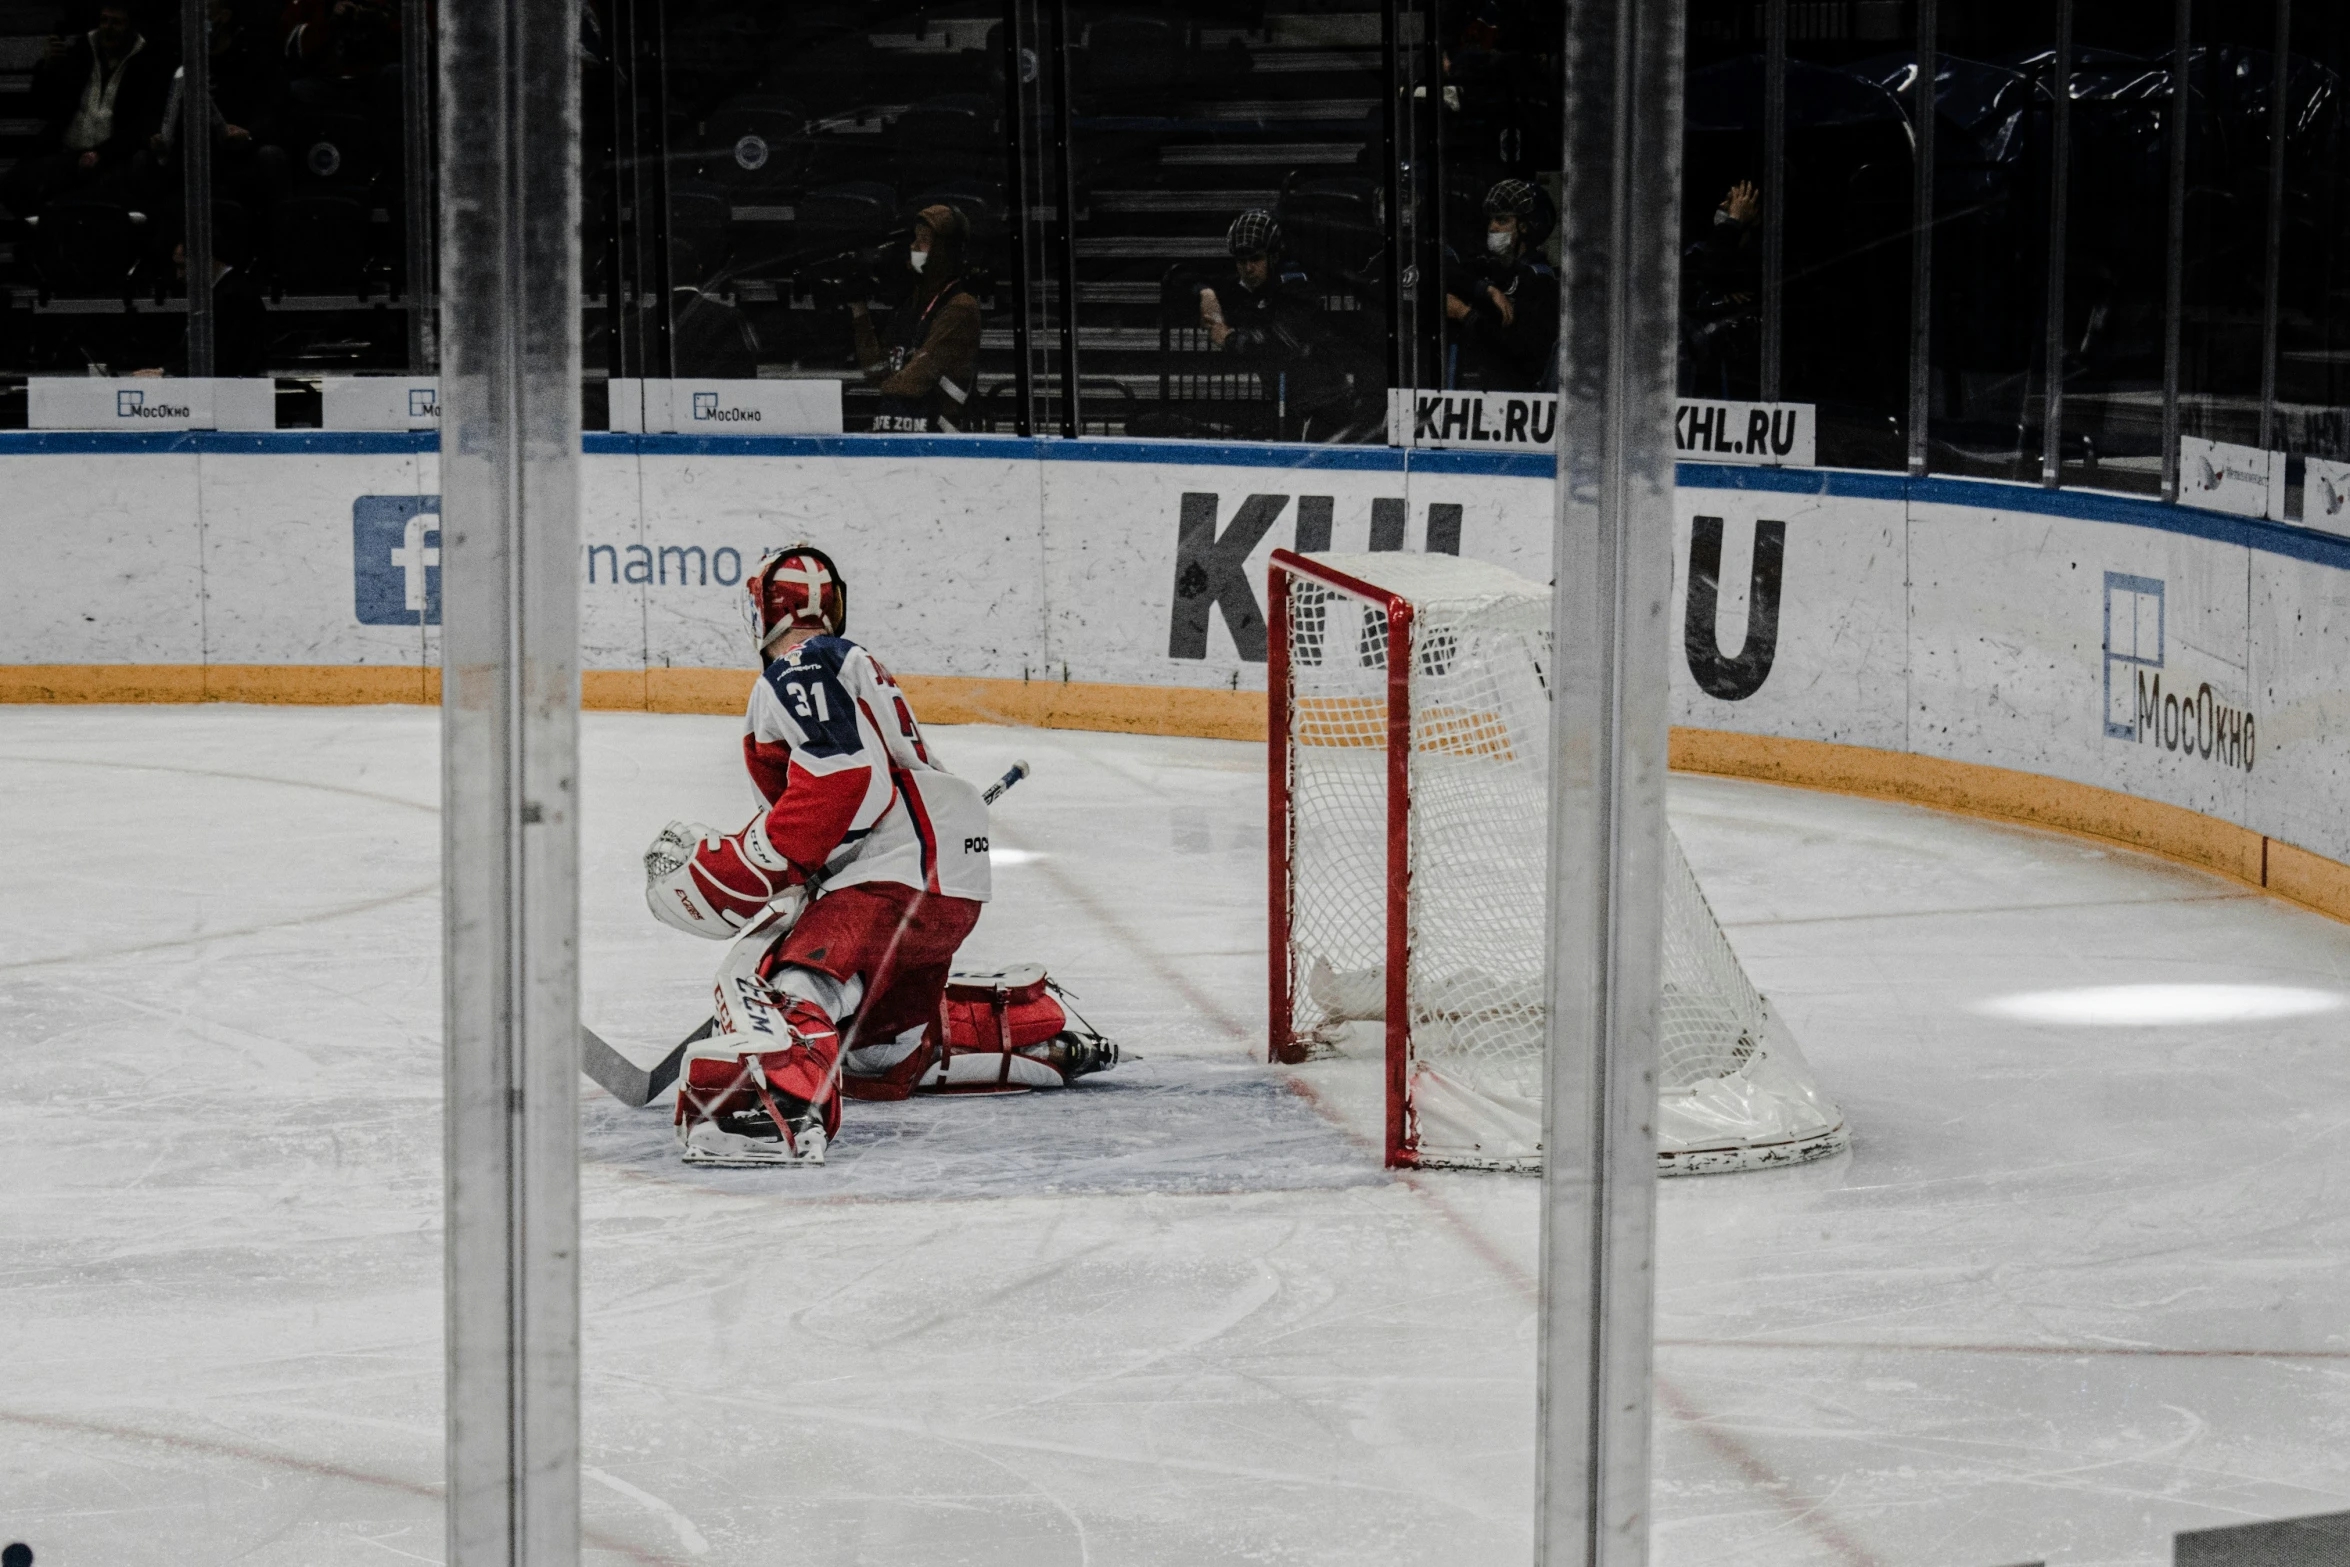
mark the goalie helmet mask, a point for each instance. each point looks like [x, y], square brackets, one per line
[796, 587]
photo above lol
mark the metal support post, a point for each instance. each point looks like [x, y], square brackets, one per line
[657, 263]
[1612, 562]
[1393, 134]
[1921, 242]
[1774, 256]
[1072, 401]
[195, 147]
[2279, 124]
[416, 120]
[2060, 175]
[509, 192]
[1422, 64]
[1016, 231]
[613, 159]
[2174, 284]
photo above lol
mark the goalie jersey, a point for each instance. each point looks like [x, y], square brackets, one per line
[852, 792]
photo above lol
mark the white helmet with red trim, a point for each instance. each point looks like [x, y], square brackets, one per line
[795, 587]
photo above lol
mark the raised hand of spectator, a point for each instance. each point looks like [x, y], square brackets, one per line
[1211, 316]
[53, 50]
[1744, 203]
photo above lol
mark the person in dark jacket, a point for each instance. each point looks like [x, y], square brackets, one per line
[1721, 308]
[1274, 322]
[1504, 304]
[340, 40]
[248, 72]
[240, 323]
[928, 367]
[100, 96]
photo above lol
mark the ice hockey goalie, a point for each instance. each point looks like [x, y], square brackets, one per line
[846, 897]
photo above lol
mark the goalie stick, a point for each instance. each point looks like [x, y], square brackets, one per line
[637, 1086]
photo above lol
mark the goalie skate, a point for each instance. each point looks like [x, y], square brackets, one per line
[710, 1143]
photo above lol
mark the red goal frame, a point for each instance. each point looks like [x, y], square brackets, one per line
[1402, 1143]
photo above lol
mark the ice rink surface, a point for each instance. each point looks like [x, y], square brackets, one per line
[2077, 1285]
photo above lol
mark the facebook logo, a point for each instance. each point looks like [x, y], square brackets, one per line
[396, 559]
[2133, 642]
[705, 405]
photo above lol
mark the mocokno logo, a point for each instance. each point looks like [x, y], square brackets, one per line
[2137, 709]
[2209, 473]
[707, 406]
[423, 403]
[134, 405]
[396, 560]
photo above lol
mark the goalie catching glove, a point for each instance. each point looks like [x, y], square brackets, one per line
[709, 883]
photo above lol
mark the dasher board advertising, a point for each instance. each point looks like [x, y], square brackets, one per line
[1782, 435]
[151, 402]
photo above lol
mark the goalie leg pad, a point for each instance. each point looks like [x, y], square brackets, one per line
[1006, 1030]
[777, 1105]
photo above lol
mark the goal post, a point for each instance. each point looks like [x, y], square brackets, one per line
[1409, 711]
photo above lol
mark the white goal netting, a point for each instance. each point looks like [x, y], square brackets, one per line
[1734, 1091]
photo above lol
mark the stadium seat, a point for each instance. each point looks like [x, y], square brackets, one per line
[1133, 65]
[958, 134]
[320, 242]
[712, 57]
[755, 147]
[331, 136]
[700, 226]
[1331, 226]
[827, 62]
[847, 215]
[85, 246]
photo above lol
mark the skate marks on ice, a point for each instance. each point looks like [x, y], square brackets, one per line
[1176, 1124]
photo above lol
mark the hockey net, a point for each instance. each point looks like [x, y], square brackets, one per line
[1411, 720]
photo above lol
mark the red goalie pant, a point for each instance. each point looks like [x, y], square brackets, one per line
[899, 941]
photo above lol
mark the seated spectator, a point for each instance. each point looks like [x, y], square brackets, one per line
[1504, 304]
[929, 366]
[1721, 309]
[240, 323]
[100, 96]
[340, 40]
[248, 85]
[1276, 325]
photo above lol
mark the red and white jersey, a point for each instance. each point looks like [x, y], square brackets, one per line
[852, 792]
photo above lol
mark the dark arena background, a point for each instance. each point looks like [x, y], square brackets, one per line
[752, 172]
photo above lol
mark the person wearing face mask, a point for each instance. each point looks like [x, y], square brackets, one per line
[927, 367]
[1503, 307]
[1273, 320]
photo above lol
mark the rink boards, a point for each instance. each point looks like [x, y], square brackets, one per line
[2159, 675]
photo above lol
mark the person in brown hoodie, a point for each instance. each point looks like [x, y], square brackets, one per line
[927, 370]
